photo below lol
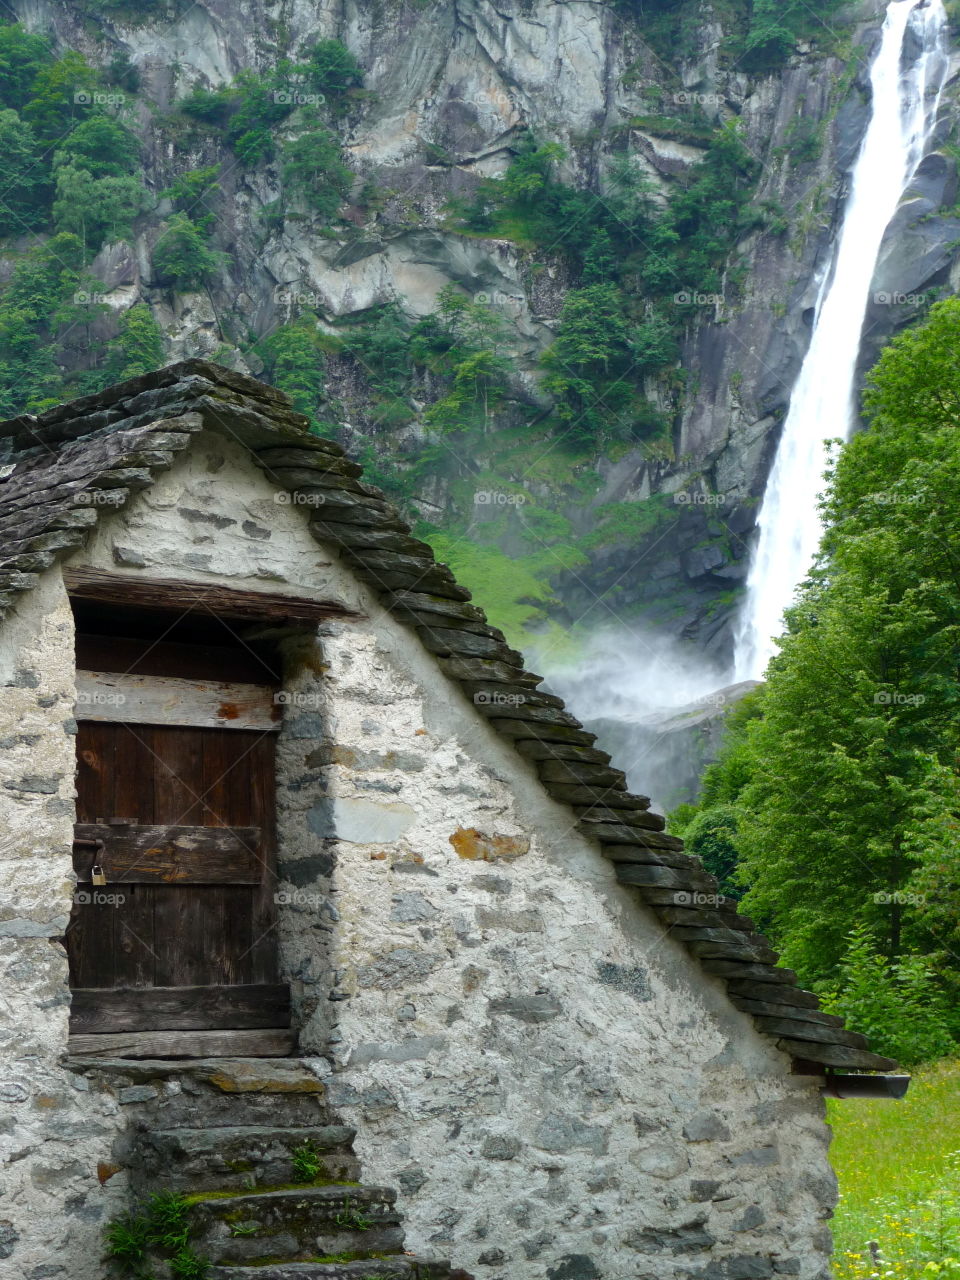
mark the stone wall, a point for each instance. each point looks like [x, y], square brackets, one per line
[54, 1131]
[556, 1087]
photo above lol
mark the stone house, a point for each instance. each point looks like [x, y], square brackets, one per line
[296, 858]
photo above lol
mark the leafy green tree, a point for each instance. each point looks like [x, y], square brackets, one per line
[768, 40]
[31, 311]
[591, 363]
[101, 146]
[314, 171]
[902, 1009]
[331, 69]
[600, 263]
[181, 257]
[22, 54]
[462, 340]
[846, 785]
[210, 106]
[139, 346]
[195, 191]
[23, 177]
[479, 387]
[96, 209]
[382, 346]
[59, 95]
[593, 334]
[712, 837]
[295, 364]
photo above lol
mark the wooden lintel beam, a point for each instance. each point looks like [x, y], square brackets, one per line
[209, 598]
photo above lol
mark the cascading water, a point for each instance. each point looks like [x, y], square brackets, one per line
[905, 101]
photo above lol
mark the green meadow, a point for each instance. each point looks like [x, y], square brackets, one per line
[898, 1164]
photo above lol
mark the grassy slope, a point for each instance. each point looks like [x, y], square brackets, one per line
[900, 1181]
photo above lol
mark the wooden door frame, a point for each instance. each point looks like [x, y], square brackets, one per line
[155, 598]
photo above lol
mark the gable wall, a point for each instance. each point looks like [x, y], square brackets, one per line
[556, 1088]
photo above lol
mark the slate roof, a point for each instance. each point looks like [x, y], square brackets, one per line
[63, 471]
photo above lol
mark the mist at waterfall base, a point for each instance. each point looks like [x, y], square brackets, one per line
[905, 96]
[657, 709]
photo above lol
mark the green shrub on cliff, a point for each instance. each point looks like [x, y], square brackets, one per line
[313, 172]
[181, 257]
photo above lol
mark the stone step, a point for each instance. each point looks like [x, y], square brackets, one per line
[397, 1268]
[171, 1094]
[238, 1157]
[302, 1225]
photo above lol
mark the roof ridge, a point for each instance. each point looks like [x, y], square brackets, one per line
[421, 592]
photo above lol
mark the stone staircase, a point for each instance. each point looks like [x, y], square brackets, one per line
[226, 1135]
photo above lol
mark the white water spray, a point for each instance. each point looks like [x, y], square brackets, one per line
[905, 101]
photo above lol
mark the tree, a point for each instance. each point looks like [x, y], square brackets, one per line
[23, 177]
[593, 334]
[96, 209]
[101, 146]
[846, 785]
[22, 54]
[195, 190]
[295, 364]
[331, 69]
[902, 1009]
[139, 346]
[314, 171]
[60, 93]
[182, 257]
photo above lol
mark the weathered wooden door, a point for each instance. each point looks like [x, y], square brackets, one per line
[173, 926]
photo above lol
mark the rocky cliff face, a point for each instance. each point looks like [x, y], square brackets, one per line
[450, 87]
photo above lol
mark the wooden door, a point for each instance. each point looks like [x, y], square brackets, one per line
[176, 822]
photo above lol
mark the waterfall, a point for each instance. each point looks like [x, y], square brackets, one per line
[905, 102]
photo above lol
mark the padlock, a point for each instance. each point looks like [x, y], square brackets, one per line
[97, 875]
